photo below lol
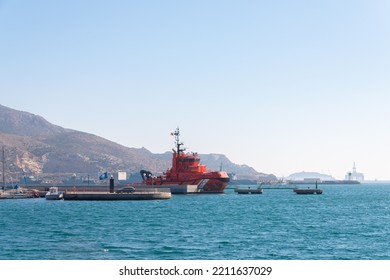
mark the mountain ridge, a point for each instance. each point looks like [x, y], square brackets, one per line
[36, 147]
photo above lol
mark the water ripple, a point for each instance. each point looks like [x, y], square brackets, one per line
[346, 222]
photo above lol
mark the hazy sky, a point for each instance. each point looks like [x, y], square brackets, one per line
[283, 86]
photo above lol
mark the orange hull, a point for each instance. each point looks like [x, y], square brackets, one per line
[212, 185]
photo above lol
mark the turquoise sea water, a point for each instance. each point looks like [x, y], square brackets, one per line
[346, 222]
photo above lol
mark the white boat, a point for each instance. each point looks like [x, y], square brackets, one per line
[54, 194]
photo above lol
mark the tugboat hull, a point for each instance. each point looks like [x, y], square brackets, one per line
[186, 170]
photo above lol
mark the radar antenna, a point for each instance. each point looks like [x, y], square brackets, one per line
[177, 141]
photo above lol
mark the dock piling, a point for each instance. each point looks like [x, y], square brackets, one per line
[111, 185]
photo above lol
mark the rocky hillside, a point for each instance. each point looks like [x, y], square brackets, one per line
[36, 147]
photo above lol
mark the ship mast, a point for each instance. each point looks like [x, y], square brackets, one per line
[3, 171]
[177, 140]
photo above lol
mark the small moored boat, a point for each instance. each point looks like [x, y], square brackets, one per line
[54, 194]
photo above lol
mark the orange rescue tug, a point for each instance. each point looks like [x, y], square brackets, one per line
[186, 170]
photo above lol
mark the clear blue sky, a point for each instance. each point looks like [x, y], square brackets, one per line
[283, 86]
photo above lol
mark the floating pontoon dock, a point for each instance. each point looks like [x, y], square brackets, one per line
[248, 191]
